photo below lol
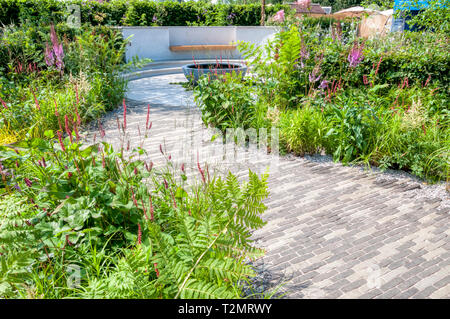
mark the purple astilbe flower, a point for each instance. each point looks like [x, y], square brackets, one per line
[54, 54]
[304, 55]
[48, 55]
[355, 56]
[231, 16]
[314, 76]
[53, 36]
[59, 55]
[323, 84]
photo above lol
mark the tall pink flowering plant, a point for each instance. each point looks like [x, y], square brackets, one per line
[356, 55]
[54, 53]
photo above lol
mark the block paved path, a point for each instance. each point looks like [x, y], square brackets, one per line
[332, 231]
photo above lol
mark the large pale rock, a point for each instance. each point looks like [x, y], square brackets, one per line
[376, 24]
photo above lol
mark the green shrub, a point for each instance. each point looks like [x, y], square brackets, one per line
[302, 131]
[225, 102]
[89, 84]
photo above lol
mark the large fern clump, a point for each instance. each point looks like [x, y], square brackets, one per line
[89, 222]
[199, 249]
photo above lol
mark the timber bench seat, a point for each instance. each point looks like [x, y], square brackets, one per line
[200, 47]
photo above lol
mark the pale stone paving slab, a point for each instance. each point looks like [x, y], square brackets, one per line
[332, 231]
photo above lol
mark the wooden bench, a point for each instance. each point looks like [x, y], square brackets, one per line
[218, 47]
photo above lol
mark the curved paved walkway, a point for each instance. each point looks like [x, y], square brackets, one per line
[332, 231]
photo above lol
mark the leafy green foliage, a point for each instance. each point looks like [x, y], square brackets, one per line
[435, 16]
[134, 231]
[389, 109]
[302, 130]
[225, 102]
[41, 96]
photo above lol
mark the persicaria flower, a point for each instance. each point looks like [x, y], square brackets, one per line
[365, 80]
[60, 140]
[148, 116]
[124, 115]
[35, 100]
[28, 182]
[139, 234]
[151, 207]
[3, 103]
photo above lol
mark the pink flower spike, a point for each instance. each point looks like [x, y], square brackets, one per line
[134, 198]
[355, 56]
[143, 208]
[148, 116]
[76, 94]
[428, 80]
[103, 161]
[3, 103]
[35, 100]
[28, 182]
[139, 234]
[60, 141]
[66, 124]
[56, 108]
[76, 133]
[378, 65]
[102, 131]
[124, 115]
[151, 207]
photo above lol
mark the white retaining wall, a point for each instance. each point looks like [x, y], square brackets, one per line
[154, 42]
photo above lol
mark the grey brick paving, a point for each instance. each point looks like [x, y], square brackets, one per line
[332, 231]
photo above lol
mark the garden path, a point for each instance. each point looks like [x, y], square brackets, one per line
[332, 231]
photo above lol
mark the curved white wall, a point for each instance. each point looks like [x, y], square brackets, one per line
[154, 42]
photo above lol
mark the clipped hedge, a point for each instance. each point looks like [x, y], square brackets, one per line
[134, 12]
[338, 5]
